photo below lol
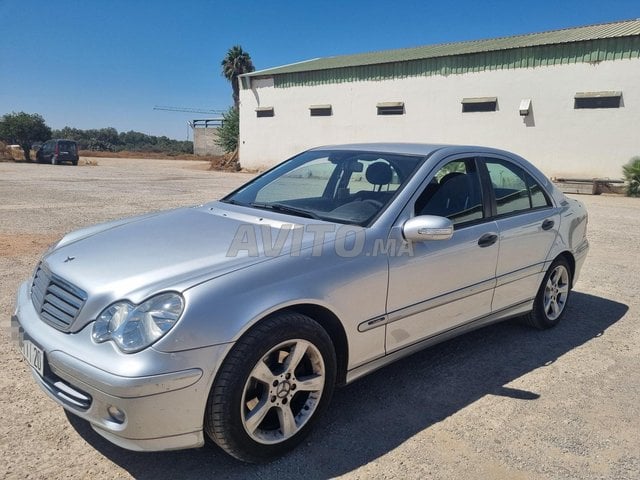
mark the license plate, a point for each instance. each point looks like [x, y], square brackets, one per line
[34, 356]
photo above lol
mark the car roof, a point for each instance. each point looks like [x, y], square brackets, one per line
[412, 148]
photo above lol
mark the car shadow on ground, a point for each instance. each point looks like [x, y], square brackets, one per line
[378, 413]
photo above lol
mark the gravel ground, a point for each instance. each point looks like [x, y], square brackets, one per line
[502, 402]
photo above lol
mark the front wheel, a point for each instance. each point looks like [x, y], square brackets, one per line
[275, 382]
[549, 305]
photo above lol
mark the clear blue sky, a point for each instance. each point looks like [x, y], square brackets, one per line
[93, 64]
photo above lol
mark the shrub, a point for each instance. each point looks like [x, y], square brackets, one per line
[4, 151]
[631, 173]
[229, 131]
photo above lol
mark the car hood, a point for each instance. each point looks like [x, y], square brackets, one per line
[170, 250]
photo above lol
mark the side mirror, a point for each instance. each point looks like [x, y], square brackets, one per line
[427, 227]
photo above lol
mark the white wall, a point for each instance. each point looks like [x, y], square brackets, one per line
[561, 141]
[204, 141]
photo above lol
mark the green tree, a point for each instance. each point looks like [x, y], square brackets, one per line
[235, 63]
[632, 174]
[228, 133]
[108, 135]
[110, 140]
[24, 129]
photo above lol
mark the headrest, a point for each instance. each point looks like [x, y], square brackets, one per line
[449, 176]
[379, 173]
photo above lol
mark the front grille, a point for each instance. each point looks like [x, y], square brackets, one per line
[57, 301]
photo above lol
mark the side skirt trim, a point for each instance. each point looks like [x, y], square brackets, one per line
[504, 314]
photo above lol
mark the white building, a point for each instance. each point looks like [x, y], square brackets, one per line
[567, 100]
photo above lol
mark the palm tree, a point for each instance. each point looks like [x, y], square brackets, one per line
[235, 63]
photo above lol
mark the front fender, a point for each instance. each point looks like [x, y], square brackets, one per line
[223, 309]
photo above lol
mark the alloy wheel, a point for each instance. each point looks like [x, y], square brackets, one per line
[556, 292]
[283, 391]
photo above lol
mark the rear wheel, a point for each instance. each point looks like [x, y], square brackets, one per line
[549, 305]
[275, 382]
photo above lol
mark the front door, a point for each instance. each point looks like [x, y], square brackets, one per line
[444, 283]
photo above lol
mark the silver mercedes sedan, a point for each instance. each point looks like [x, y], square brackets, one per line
[236, 319]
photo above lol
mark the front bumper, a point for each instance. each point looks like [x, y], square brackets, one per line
[163, 395]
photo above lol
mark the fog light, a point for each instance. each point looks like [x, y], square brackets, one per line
[116, 414]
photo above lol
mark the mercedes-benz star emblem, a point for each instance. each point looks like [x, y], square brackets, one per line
[283, 389]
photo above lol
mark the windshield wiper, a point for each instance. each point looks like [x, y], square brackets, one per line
[281, 207]
[231, 201]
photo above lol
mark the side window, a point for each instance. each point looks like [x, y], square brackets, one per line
[510, 187]
[454, 192]
[515, 190]
[539, 199]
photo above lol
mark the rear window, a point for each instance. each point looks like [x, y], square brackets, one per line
[67, 147]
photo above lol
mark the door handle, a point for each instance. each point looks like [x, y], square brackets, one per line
[548, 224]
[487, 240]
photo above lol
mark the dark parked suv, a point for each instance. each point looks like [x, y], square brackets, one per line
[58, 151]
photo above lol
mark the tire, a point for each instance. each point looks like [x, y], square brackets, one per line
[260, 407]
[550, 303]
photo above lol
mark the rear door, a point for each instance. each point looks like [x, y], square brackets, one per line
[527, 224]
[66, 151]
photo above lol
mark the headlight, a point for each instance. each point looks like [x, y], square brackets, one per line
[133, 327]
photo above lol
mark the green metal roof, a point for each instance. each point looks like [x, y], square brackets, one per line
[629, 28]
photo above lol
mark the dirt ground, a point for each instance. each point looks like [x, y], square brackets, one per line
[504, 402]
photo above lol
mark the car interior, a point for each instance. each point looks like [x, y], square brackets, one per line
[457, 195]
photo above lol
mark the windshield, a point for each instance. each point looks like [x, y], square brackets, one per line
[342, 186]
